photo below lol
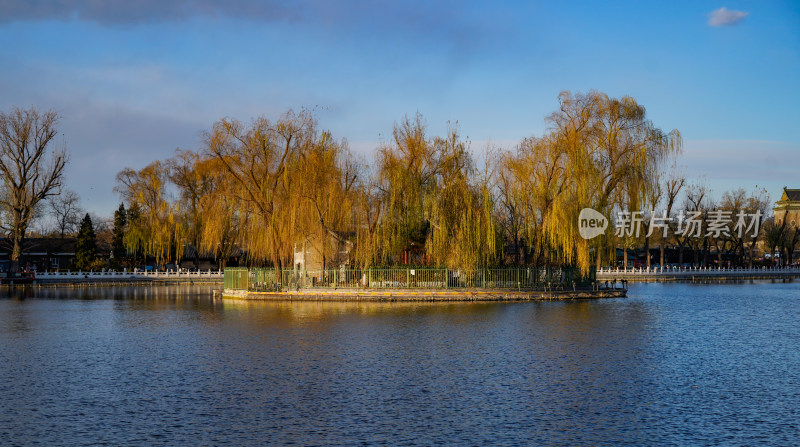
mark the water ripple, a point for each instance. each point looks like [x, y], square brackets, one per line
[674, 364]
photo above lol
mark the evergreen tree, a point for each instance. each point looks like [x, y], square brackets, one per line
[86, 246]
[118, 251]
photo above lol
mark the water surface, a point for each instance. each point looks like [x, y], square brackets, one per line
[673, 364]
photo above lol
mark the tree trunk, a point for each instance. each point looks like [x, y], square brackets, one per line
[197, 255]
[789, 245]
[323, 246]
[16, 255]
[624, 256]
[28, 176]
[599, 254]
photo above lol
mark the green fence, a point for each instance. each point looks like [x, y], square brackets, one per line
[236, 278]
[270, 279]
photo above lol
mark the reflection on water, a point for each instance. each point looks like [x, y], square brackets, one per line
[129, 293]
[671, 364]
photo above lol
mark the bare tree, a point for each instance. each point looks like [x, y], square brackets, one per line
[30, 171]
[773, 237]
[102, 226]
[758, 204]
[66, 211]
[673, 187]
[791, 238]
[653, 197]
[696, 201]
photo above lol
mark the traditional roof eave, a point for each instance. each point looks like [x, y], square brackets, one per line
[790, 200]
[790, 195]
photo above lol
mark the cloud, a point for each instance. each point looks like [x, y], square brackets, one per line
[726, 17]
[411, 15]
[140, 11]
[449, 26]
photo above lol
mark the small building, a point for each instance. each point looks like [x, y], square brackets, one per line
[308, 253]
[40, 254]
[194, 259]
[788, 208]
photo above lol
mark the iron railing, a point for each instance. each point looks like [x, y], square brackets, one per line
[271, 279]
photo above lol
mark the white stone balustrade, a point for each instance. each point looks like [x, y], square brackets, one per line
[610, 272]
[110, 275]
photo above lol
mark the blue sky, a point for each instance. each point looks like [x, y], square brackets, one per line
[135, 80]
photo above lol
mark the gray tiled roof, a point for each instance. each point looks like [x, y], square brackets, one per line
[793, 194]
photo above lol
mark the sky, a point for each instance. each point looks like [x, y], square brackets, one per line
[134, 80]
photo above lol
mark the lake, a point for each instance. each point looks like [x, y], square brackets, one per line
[672, 364]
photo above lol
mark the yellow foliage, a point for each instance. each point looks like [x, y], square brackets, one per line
[269, 185]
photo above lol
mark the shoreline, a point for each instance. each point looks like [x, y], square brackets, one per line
[427, 295]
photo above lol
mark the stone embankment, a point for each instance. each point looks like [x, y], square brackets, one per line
[406, 295]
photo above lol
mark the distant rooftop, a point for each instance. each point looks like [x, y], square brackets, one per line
[792, 195]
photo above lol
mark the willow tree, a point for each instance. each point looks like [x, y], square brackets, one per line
[187, 171]
[219, 208]
[460, 209]
[598, 152]
[273, 182]
[614, 152]
[156, 230]
[31, 171]
[510, 206]
[135, 237]
[257, 158]
[538, 178]
[328, 180]
[368, 211]
[430, 196]
[406, 175]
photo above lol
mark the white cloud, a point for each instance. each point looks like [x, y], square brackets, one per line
[726, 17]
